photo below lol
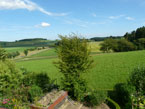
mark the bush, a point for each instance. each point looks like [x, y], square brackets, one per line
[29, 78]
[3, 54]
[10, 77]
[43, 81]
[137, 79]
[34, 91]
[13, 54]
[95, 98]
[123, 93]
[21, 93]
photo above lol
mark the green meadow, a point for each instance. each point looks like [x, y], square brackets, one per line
[108, 69]
[94, 46]
[14, 49]
[49, 52]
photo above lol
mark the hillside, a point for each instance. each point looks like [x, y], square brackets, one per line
[36, 42]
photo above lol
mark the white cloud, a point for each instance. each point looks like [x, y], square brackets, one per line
[25, 4]
[43, 24]
[129, 18]
[116, 17]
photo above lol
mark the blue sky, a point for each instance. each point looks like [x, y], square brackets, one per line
[21, 19]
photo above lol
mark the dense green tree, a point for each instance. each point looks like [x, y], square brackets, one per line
[108, 45]
[135, 35]
[124, 45]
[74, 60]
[140, 33]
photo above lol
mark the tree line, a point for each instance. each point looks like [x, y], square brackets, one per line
[129, 42]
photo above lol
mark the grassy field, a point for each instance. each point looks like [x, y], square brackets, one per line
[14, 49]
[94, 46]
[50, 52]
[108, 69]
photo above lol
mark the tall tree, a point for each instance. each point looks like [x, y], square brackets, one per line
[74, 60]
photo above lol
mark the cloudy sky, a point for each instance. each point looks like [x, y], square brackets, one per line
[21, 19]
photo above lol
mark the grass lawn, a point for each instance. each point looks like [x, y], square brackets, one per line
[108, 69]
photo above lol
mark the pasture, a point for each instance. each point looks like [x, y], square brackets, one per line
[14, 49]
[108, 69]
[93, 46]
[49, 52]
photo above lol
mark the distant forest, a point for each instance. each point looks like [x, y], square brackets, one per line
[103, 38]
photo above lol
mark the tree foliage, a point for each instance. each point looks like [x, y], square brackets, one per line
[9, 75]
[74, 60]
[3, 54]
[137, 37]
[108, 45]
[121, 45]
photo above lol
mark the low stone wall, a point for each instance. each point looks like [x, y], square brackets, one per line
[59, 101]
[56, 104]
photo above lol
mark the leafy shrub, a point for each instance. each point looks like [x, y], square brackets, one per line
[34, 91]
[43, 81]
[137, 79]
[95, 98]
[29, 78]
[123, 93]
[3, 54]
[10, 77]
[13, 54]
[21, 93]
